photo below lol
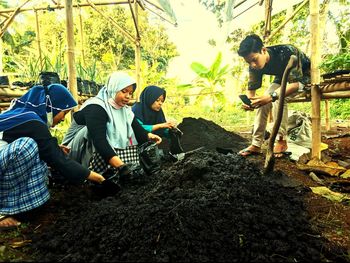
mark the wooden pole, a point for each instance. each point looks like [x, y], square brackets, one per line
[20, 9]
[11, 18]
[268, 10]
[328, 125]
[38, 39]
[72, 75]
[120, 29]
[315, 79]
[1, 56]
[82, 37]
[286, 21]
[137, 55]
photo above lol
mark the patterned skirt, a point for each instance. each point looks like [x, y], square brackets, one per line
[23, 177]
[129, 155]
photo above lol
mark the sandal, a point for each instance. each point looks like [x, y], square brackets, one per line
[12, 223]
[247, 151]
[280, 155]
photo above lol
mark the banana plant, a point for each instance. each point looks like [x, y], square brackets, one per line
[210, 80]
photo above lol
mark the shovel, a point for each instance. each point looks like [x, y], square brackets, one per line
[270, 158]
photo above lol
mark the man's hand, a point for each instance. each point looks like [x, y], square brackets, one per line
[257, 102]
[247, 107]
[155, 138]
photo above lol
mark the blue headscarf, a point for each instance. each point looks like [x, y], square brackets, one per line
[143, 110]
[37, 104]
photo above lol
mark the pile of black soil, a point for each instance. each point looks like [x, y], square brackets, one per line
[204, 133]
[206, 207]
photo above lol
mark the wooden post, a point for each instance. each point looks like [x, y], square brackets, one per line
[81, 37]
[137, 56]
[315, 79]
[1, 56]
[38, 39]
[328, 124]
[72, 75]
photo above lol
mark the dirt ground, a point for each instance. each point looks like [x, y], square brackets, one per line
[210, 206]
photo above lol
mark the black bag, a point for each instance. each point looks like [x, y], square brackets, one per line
[175, 145]
[150, 157]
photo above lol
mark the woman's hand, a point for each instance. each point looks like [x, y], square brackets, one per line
[65, 148]
[168, 125]
[155, 138]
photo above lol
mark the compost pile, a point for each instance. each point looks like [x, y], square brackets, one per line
[207, 207]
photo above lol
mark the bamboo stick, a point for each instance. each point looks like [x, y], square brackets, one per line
[11, 18]
[286, 21]
[38, 39]
[72, 75]
[81, 37]
[7, 92]
[328, 125]
[137, 55]
[124, 32]
[339, 86]
[315, 79]
[10, 10]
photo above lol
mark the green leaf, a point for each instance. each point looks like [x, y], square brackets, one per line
[199, 69]
[184, 86]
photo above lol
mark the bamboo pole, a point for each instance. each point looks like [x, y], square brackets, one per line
[38, 39]
[328, 125]
[10, 10]
[124, 32]
[286, 21]
[72, 75]
[268, 10]
[11, 18]
[137, 57]
[1, 56]
[81, 37]
[315, 79]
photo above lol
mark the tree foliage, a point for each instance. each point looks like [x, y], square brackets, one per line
[104, 46]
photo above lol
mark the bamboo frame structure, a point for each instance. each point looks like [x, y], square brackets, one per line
[69, 27]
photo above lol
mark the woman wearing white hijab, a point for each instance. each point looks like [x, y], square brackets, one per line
[104, 133]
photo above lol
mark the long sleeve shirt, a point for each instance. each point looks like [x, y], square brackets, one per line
[95, 118]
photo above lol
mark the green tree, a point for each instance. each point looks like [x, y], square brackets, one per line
[209, 81]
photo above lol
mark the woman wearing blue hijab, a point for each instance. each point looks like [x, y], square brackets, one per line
[104, 133]
[27, 149]
[150, 115]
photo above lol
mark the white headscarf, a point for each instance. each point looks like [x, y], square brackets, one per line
[119, 131]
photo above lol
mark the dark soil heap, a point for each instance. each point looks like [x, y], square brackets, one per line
[200, 132]
[206, 207]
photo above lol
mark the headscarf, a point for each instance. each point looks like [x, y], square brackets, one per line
[37, 104]
[143, 110]
[119, 131]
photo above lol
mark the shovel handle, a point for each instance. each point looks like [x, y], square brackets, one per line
[269, 161]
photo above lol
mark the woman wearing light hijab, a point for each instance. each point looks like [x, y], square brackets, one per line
[27, 149]
[150, 114]
[104, 133]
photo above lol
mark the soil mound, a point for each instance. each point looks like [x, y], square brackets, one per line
[200, 132]
[206, 207]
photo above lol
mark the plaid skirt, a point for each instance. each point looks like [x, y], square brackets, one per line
[23, 177]
[129, 155]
